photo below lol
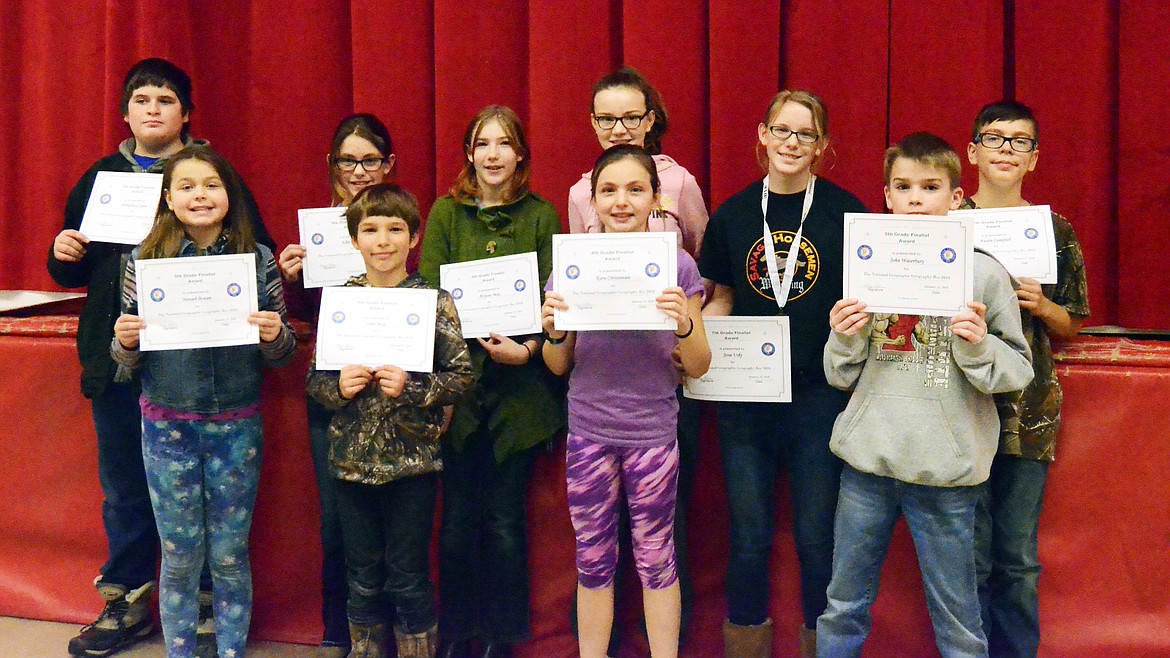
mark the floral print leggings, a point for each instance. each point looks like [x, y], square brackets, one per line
[203, 476]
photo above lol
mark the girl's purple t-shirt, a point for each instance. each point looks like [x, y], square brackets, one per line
[622, 386]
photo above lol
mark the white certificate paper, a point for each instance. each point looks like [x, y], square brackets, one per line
[377, 327]
[1020, 238]
[610, 280]
[909, 263]
[121, 207]
[750, 361]
[201, 301]
[495, 295]
[330, 257]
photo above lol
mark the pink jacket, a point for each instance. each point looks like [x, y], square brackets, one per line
[680, 199]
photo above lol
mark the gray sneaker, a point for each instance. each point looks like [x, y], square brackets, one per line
[205, 644]
[126, 619]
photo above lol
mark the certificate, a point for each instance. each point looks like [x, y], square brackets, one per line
[1020, 238]
[330, 257]
[201, 301]
[377, 327]
[610, 280]
[909, 263]
[495, 295]
[121, 207]
[750, 361]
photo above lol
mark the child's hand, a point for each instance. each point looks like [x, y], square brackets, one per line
[269, 323]
[291, 261]
[552, 301]
[392, 380]
[673, 302]
[504, 350]
[848, 317]
[69, 246]
[127, 329]
[970, 325]
[352, 380]
[1031, 294]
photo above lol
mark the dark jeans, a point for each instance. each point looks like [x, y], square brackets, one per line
[1007, 522]
[756, 439]
[387, 530]
[126, 511]
[483, 546]
[333, 578]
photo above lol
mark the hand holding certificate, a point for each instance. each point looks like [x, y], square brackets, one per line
[121, 207]
[908, 263]
[330, 257]
[750, 361]
[201, 301]
[612, 281]
[1021, 238]
[375, 327]
[495, 295]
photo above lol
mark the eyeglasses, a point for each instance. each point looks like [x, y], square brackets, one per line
[368, 164]
[994, 141]
[781, 133]
[630, 121]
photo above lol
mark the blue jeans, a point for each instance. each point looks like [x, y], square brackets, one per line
[1007, 521]
[333, 579]
[483, 544]
[126, 513]
[203, 477]
[387, 530]
[756, 439]
[942, 524]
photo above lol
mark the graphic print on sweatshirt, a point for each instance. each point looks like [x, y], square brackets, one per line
[913, 342]
[804, 277]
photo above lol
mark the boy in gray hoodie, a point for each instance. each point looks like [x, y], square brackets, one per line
[921, 429]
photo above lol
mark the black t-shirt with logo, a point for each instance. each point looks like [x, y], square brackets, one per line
[733, 255]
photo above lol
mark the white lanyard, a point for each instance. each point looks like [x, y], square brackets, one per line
[793, 251]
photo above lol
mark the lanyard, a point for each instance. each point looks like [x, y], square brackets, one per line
[793, 251]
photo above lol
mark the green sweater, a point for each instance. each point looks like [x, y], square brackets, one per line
[518, 406]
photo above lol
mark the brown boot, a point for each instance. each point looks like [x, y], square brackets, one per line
[417, 645]
[747, 641]
[366, 641]
[808, 642]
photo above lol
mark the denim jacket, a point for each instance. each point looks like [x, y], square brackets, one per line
[215, 379]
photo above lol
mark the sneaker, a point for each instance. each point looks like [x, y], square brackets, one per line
[205, 644]
[125, 620]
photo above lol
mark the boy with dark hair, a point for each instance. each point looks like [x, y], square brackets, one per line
[920, 429]
[1004, 147]
[384, 443]
[156, 105]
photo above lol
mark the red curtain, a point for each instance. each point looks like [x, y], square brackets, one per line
[273, 78]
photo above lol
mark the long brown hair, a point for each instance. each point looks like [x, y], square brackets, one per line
[628, 76]
[466, 186]
[368, 127]
[167, 233]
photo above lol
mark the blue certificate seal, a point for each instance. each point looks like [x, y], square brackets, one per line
[572, 271]
[865, 252]
[104, 199]
[653, 270]
[412, 319]
[947, 255]
[317, 239]
[1031, 233]
[338, 316]
[157, 295]
[457, 293]
[768, 349]
[234, 289]
[520, 285]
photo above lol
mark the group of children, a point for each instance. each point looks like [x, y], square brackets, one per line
[869, 435]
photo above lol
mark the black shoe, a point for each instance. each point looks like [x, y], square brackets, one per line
[205, 643]
[496, 650]
[126, 619]
[454, 649]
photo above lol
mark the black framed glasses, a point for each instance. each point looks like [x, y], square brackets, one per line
[368, 164]
[630, 121]
[995, 140]
[781, 133]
